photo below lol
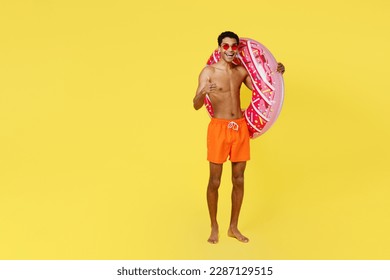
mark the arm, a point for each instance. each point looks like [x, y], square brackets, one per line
[247, 79]
[205, 86]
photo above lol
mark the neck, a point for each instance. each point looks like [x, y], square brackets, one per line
[225, 65]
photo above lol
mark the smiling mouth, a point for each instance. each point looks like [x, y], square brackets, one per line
[229, 55]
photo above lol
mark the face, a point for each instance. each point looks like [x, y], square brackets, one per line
[228, 49]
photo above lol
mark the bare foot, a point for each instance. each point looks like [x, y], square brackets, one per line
[213, 239]
[237, 234]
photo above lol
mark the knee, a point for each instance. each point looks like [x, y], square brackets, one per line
[214, 183]
[238, 181]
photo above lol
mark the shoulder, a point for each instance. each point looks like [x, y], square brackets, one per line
[207, 70]
[242, 70]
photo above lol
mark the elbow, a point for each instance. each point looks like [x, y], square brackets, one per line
[196, 104]
[196, 107]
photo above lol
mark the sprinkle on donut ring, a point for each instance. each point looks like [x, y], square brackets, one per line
[268, 88]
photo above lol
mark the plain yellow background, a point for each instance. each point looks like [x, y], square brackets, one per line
[103, 157]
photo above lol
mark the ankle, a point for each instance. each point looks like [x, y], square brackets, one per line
[233, 227]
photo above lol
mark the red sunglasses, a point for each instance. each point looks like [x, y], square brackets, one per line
[226, 46]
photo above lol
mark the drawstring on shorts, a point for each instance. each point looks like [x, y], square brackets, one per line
[233, 125]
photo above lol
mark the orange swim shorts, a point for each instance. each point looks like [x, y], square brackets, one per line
[227, 138]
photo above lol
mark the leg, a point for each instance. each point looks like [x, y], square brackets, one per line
[238, 169]
[212, 199]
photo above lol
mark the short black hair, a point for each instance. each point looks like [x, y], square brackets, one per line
[227, 34]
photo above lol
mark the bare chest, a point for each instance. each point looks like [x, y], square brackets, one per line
[227, 82]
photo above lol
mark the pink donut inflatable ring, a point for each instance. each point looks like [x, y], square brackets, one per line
[268, 86]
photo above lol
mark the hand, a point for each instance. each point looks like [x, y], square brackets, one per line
[280, 68]
[209, 87]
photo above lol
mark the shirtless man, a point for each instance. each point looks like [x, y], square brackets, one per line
[227, 132]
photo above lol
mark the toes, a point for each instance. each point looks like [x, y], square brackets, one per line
[238, 236]
[244, 239]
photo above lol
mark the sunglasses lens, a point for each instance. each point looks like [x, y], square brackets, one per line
[225, 47]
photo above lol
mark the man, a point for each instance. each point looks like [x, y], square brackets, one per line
[227, 132]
